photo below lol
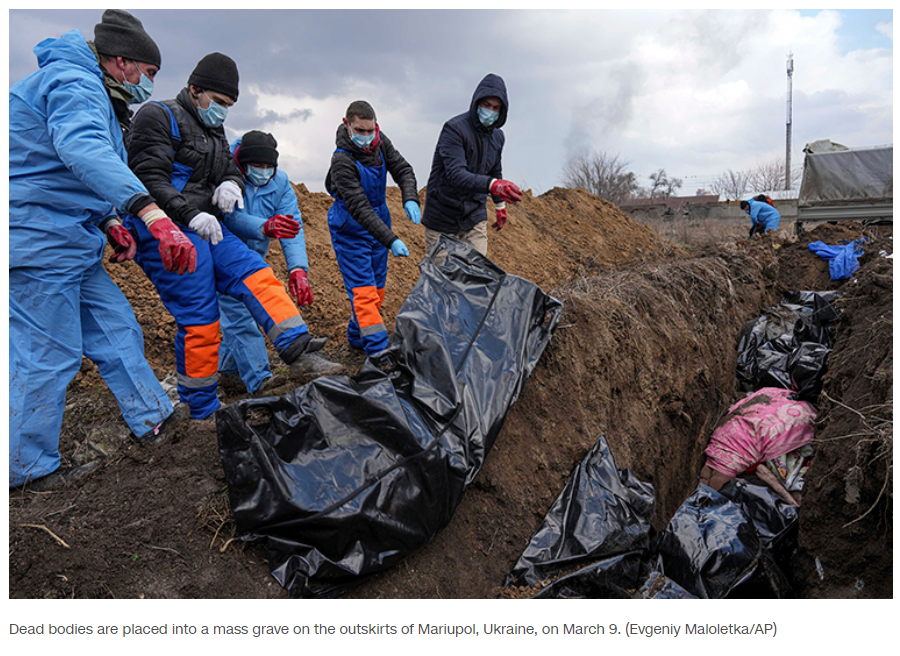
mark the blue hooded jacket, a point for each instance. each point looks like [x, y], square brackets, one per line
[260, 205]
[466, 159]
[764, 214]
[66, 156]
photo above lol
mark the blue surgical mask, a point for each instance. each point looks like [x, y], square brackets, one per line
[259, 177]
[141, 91]
[360, 140]
[487, 116]
[214, 115]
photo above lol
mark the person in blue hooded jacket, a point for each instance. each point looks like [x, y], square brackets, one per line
[467, 167]
[763, 216]
[270, 212]
[67, 179]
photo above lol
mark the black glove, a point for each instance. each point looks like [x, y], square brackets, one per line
[752, 230]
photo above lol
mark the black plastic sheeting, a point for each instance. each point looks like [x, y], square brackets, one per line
[787, 347]
[344, 477]
[713, 549]
[602, 511]
[611, 578]
[659, 586]
[775, 520]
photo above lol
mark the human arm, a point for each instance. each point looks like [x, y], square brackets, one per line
[152, 158]
[452, 151]
[346, 184]
[78, 123]
[294, 249]
[766, 475]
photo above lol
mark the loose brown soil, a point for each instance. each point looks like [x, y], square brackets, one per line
[644, 354]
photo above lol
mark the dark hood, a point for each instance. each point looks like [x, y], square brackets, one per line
[491, 85]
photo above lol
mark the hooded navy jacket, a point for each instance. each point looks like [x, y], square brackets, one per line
[466, 159]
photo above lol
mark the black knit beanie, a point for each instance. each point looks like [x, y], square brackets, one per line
[258, 148]
[119, 34]
[216, 72]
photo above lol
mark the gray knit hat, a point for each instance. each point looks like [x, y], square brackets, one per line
[120, 34]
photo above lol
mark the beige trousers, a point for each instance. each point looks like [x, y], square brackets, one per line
[476, 237]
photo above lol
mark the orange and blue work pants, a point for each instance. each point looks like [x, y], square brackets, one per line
[363, 263]
[231, 268]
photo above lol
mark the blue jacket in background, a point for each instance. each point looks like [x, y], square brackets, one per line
[466, 159]
[260, 205]
[764, 214]
[66, 156]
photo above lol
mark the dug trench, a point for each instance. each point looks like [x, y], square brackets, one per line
[645, 354]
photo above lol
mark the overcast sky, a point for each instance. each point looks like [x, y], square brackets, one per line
[694, 92]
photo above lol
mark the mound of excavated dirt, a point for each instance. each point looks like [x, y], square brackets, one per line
[644, 354]
[848, 511]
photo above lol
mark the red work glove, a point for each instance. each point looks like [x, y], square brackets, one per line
[177, 252]
[501, 218]
[122, 242]
[281, 226]
[506, 190]
[298, 287]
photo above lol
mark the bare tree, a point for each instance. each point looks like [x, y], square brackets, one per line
[601, 174]
[769, 176]
[662, 186]
[732, 184]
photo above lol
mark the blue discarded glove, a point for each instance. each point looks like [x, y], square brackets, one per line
[399, 249]
[413, 211]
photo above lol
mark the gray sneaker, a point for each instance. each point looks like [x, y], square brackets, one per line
[313, 364]
[61, 477]
[162, 431]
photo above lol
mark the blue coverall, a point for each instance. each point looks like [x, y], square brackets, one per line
[763, 214]
[363, 261]
[243, 346]
[66, 173]
[228, 267]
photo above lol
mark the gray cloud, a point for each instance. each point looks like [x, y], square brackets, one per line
[577, 80]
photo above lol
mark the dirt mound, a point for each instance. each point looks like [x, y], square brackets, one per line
[846, 527]
[644, 354]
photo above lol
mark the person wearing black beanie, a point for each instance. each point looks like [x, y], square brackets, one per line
[198, 186]
[216, 72]
[68, 179]
[119, 34]
[257, 148]
[270, 212]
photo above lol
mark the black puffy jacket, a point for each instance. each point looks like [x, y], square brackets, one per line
[466, 159]
[343, 180]
[152, 156]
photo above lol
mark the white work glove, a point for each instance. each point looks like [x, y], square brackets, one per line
[227, 195]
[207, 226]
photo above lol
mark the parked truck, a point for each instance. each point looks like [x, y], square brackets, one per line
[846, 184]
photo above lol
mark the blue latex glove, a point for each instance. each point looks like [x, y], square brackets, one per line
[399, 249]
[413, 211]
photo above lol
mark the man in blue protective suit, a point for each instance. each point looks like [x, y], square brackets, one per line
[763, 216]
[67, 178]
[360, 222]
[270, 212]
[178, 150]
[467, 167]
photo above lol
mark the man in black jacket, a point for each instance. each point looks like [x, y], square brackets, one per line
[360, 222]
[178, 150]
[466, 167]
